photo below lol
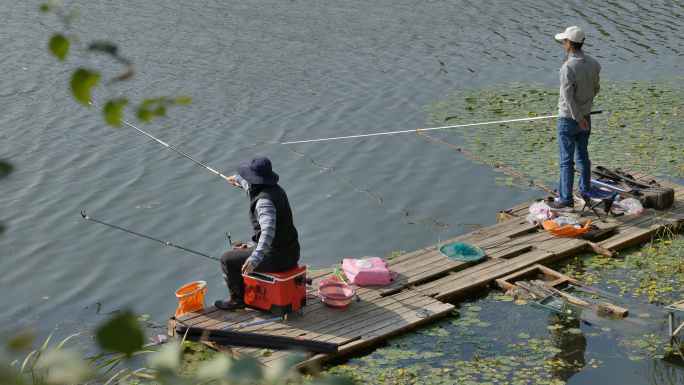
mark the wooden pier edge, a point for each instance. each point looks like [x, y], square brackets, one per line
[427, 280]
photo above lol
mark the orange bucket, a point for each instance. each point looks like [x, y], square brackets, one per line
[191, 297]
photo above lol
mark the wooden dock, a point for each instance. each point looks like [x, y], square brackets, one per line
[427, 280]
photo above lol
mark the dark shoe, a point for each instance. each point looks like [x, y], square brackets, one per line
[237, 298]
[564, 207]
[230, 305]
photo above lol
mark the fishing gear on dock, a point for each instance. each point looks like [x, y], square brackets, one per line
[83, 214]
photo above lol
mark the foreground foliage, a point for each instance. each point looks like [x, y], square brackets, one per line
[177, 362]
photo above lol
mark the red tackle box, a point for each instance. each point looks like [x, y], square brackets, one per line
[280, 293]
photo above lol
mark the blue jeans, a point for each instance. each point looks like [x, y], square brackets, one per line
[573, 141]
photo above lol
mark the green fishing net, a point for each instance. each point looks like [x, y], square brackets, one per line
[460, 251]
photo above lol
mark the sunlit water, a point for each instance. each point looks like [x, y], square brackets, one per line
[260, 73]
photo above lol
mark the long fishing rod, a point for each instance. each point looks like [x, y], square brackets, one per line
[134, 127]
[494, 164]
[432, 128]
[83, 214]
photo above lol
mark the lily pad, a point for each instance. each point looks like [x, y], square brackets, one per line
[575, 331]
[523, 335]
[483, 324]
[606, 329]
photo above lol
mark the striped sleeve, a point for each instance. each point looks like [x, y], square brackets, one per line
[265, 214]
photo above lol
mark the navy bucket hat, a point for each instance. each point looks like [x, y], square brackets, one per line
[258, 171]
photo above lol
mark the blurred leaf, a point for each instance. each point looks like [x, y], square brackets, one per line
[122, 334]
[248, 370]
[112, 111]
[65, 367]
[81, 83]
[104, 47]
[218, 368]
[20, 341]
[109, 49]
[283, 368]
[59, 46]
[182, 99]
[5, 169]
[168, 359]
[144, 115]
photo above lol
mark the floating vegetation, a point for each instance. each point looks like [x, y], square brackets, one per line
[640, 127]
[193, 355]
[651, 272]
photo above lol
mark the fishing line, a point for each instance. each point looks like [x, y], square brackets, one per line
[488, 162]
[83, 214]
[367, 192]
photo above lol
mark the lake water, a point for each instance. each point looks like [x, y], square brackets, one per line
[261, 73]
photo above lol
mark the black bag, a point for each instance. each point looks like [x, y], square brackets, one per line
[651, 194]
[657, 197]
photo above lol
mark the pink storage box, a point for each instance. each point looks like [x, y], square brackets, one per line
[368, 272]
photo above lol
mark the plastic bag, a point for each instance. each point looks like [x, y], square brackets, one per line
[631, 205]
[540, 212]
[564, 221]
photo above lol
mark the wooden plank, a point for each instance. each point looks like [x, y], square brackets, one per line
[453, 284]
[318, 328]
[423, 307]
[335, 316]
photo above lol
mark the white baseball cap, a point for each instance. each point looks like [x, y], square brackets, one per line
[573, 34]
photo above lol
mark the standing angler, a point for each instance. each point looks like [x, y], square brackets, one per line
[579, 83]
[277, 247]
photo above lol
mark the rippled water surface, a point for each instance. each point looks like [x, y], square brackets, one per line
[261, 73]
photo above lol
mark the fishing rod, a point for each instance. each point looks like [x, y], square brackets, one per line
[134, 127]
[83, 214]
[433, 128]
[494, 164]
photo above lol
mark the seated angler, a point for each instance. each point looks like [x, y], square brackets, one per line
[277, 244]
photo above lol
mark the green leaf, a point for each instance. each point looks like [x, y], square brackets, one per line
[104, 47]
[5, 169]
[112, 111]
[59, 46]
[19, 341]
[66, 367]
[81, 83]
[122, 334]
[247, 369]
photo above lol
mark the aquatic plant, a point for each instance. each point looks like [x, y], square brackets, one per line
[178, 362]
[640, 128]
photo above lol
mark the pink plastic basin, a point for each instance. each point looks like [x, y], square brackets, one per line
[336, 294]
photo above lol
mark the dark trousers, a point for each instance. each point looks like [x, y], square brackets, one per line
[232, 261]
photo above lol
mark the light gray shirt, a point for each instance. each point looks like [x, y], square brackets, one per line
[579, 83]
